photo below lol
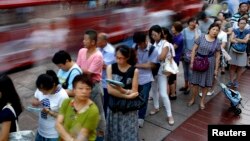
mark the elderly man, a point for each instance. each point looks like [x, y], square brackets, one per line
[108, 53]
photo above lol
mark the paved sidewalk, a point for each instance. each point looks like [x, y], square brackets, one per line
[155, 127]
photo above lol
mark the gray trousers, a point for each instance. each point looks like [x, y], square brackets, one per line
[97, 97]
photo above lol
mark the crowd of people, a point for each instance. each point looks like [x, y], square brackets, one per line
[75, 100]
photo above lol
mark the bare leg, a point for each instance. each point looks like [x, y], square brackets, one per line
[195, 89]
[240, 71]
[202, 102]
[232, 71]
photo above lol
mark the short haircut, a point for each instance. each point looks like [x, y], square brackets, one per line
[243, 3]
[178, 26]
[139, 37]
[191, 20]
[84, 78]
[92, 34]
[61, 57]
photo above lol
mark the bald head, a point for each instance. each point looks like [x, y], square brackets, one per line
[102, 40]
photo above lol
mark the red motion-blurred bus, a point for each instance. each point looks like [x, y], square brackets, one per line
[32, 30]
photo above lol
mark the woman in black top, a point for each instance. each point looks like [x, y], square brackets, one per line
[8, 95]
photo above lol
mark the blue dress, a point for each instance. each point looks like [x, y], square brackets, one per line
[205, 79]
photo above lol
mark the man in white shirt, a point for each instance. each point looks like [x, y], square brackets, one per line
[108, 53]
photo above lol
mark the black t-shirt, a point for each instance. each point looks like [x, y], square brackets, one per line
[7, 115]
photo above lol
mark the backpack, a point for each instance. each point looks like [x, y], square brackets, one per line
[157, 65]
[239, 47]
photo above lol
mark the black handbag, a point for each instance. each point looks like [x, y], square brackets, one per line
[117, 104]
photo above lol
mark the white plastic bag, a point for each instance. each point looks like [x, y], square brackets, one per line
[25, 135]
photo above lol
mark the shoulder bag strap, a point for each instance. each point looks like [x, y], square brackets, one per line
[13, 111]
[67, 79]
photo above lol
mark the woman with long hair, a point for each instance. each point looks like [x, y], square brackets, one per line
[123, 125]
[8, 95]
[160, 83]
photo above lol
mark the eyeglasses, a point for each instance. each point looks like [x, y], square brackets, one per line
[242, 23]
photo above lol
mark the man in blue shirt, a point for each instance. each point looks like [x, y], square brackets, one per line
[68, 69]
[108, 53]
[146, 62]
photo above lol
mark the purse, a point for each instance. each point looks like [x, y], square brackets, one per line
[25, 135]
[201, 62]
[117, 104]
[170, 66]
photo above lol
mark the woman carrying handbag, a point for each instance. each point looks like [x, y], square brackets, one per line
[206, 47]
[8, 96]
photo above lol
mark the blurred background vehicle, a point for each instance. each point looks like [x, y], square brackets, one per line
[33, 30]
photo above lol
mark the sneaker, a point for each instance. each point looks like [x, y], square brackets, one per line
[141, 122]
[230, 84]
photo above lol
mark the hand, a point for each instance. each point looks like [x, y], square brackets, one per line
[35, 102]
[46, 110]
[132, 95]
[215, 73]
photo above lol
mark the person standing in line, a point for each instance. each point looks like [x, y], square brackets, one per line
[160, 83]
[90, 60]
[190, 34]
[79, 116]
[239, 60]
[147, 57]
[178, 47]
[222, 37]
[242, 10]
[108, 53]
[8, 95]
[49, 95]
[123, 125]
[204, 22]
[68, 70]
[205, 46]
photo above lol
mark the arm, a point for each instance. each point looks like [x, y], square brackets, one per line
[61, 130]
[4, 132]
[245, 40]
[147, 65]
[70, 93]
[217, 63]
[232, 38]
[119, 91]
[164, 53]
[193, 54]
[51, 113]
[35, 102]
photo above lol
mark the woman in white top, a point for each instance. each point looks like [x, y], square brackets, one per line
[49, 95]
[160, 83]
